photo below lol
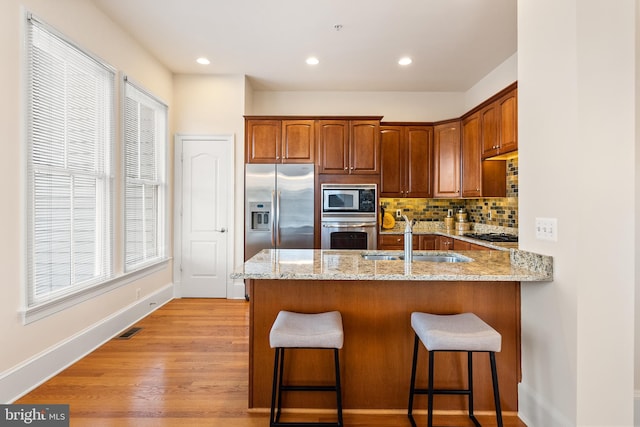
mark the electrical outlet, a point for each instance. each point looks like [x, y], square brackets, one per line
[547, 229]
[398, 214]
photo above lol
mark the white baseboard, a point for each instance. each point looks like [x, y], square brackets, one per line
[31, 373]
[536, 411]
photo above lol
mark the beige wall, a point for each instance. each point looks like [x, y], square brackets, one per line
[576, 80]
[214, 105]
[90, 29]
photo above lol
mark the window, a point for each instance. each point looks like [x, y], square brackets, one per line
[70, 138]
[145, 122]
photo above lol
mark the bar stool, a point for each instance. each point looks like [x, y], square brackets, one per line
[304, 331]
[457, 332]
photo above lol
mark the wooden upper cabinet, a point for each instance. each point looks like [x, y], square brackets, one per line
[480, 178]
[333, 143]
[349, 146]
[499, 122]
[471, 157]
[280, 141]
[392, 159]
[508, 122]
[263, 141]
[446, 160]
[405, 161]
[298, 141]
[419, 140]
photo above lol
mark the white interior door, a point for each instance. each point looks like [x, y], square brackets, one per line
[206, 198]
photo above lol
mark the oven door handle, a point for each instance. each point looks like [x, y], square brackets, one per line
[348, 224]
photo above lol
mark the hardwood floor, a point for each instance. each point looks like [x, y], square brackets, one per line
[186, 367]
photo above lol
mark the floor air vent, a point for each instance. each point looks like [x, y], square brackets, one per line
[128, 334]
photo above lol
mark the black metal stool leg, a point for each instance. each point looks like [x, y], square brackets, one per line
[413, 380]
[430, 392]
[470, 387]
[338, 386]
[496, 392]
[280, 385]
[274, 388]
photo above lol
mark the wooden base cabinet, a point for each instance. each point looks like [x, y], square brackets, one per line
[378, 341]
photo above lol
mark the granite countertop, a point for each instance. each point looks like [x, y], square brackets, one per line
[438, 228]
[323, 264]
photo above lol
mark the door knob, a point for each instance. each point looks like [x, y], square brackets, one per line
[222, 230]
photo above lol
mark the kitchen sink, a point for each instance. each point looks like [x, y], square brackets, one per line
[381, 257]
[418, 257]
[440, 258]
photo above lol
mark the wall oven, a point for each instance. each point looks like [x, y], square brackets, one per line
[349, 216]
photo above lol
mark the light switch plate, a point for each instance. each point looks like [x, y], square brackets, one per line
[547, 229]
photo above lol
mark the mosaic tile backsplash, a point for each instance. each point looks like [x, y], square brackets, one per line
[497, 211]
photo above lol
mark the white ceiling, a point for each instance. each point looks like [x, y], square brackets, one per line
[453, 43]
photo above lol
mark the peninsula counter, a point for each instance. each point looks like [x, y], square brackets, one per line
[376, 299]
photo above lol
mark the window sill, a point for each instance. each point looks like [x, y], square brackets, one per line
[48, 308]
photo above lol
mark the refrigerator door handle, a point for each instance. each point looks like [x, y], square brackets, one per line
[273, 219]
[278, 219]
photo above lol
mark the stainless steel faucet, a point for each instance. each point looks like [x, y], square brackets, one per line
[408, 240]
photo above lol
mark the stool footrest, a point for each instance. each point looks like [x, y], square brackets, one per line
[465, 391]
[302, 424]
[308, 388]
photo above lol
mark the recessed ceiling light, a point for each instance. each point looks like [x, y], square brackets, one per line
[312, 61]
[405, 61]
[203, 61]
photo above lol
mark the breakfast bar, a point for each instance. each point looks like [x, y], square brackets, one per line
[376, 292]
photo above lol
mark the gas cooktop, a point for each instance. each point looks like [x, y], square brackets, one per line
[494, 237]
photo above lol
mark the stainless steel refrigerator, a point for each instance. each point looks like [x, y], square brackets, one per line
[279, 207]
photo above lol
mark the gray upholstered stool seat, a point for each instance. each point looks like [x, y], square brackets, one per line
[320, 330]
[298, 331]
[466, 332]
[455, 332]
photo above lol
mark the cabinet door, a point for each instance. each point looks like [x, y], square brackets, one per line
[475, 247]
[444, 243]
[392, 157]
[508, 122]
[461, 245]
[489, 130]
[471, 157]
[333, 143]
[391, 242]
[446, 155]
[427, 242]
[418, 172]
[263, 140]
[364, 147]
[298, 141]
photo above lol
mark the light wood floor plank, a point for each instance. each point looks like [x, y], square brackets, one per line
[186, 367]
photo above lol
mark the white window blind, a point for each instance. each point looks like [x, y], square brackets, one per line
[145, 122]
[70, 135]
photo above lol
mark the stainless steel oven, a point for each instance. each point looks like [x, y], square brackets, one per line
[349, 235]
[349, 216]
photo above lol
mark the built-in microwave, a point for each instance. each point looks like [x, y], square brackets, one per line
[345, 198]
